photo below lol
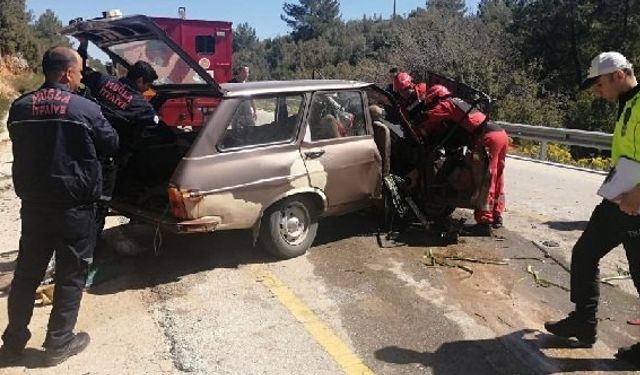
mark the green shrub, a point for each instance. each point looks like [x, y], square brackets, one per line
[5, 102]
[26, 82]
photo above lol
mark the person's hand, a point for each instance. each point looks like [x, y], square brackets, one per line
[629, 202]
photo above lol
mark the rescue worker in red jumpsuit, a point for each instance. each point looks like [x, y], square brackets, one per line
[411, 96]
[446, 110]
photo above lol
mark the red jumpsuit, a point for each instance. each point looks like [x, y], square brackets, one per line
[493, 138]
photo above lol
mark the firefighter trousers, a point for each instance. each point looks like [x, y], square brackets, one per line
[607, 228]
[496, 143]
[70, 233]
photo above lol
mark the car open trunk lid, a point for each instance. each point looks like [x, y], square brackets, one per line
[129, 39]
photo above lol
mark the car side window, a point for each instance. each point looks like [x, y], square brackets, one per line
[336, 114]
[264, 120]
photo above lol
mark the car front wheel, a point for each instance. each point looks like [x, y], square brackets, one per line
[289, 228]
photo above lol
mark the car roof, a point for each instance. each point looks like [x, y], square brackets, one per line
[252, 88]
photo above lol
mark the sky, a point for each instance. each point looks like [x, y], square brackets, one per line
[262, 15]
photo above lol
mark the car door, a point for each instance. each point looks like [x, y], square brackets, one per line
[339, 150]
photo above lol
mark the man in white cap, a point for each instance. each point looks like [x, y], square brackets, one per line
[613, 222]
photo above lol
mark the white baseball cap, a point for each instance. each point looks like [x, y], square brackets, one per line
[604, 63]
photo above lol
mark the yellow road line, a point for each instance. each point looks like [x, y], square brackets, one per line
[338, 350]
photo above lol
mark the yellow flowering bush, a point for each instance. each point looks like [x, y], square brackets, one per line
[559, 154]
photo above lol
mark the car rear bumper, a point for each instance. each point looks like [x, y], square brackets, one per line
[166, 221]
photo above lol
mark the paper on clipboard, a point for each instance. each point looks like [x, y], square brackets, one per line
[622, 178]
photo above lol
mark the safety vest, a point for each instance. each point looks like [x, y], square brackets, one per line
[626, 136]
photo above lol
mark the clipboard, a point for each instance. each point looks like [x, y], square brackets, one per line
[624, 176]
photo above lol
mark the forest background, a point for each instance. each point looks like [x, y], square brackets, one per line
[530, 55]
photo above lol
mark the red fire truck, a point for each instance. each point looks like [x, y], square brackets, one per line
[186, 54]
[207, 42]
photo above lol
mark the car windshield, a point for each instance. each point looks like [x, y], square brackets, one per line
[169, 66]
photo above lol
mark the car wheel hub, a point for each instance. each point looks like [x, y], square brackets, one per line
[294, 223]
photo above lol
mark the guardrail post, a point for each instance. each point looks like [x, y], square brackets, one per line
[543, 150]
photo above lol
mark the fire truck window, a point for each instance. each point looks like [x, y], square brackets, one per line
[262, 121]
[205, 44]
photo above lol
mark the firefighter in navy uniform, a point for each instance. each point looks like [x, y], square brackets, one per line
[58, 139]
[122, 100]
[612, 222]
[133, 117]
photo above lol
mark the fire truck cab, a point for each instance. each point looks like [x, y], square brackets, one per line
[209, 43]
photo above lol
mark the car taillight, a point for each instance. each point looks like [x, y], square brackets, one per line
[177, 203]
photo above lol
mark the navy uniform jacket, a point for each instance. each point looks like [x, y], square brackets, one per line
[125, 107]
[58, 140]
[123, 104]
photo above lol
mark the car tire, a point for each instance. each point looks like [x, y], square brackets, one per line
[289, 227]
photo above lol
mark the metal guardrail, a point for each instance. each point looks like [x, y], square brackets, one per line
[546, 135]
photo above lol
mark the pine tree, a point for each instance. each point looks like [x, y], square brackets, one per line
[244, 37]
[16, 34]
[311, 18]
[47, 29]
[456, 7]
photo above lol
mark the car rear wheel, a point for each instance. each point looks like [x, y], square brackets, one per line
[289, 228]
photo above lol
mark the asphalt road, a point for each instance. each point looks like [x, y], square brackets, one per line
[212, 304]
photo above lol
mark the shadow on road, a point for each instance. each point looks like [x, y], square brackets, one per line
[31, 359]
[166, 258]
[181, 255]
[567, 226]
[177, 256]
[359, 224]
[366, 224]
[529, 348]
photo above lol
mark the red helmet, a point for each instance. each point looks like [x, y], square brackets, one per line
[402, 81]
[436, 91]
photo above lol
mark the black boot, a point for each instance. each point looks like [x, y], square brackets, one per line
[575, 325]
[630, 354]
[9, 355]
[498, 222]
[55, 356]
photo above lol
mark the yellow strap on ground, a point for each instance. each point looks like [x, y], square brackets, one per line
[338, 350]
